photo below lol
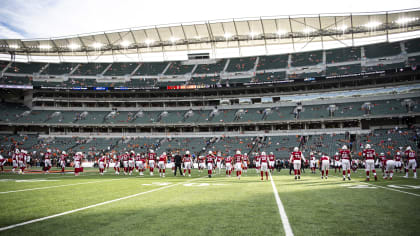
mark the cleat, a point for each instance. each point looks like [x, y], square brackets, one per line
[295, 177]
[326, 177]
[322, 177]
[344, 178]
[349, 178]
[298, 176]
[376, 178]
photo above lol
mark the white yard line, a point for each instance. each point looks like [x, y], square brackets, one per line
[91, 206]
[55, 186]
[393, 189]
[286, 225]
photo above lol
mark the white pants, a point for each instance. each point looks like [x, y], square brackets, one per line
[390, 165]
[228, 166]
[245, 164]
[202, 165]
[238, 166]
[131, 164]
[101, 165]
[187, 165]
[257, 164]
[325, 165]
[22, 164]
[370, 165]
[397, 164]
[77, 164]
[151, 163]
[411, 164]
[296, 165]
[138, 164]
[63, 164]
[264, 166]
[117, 164]
[161, 165]
[2, 162]
[219, 165]
[312, 164]
[15, 164]
[209, 166]
[345, 164]
[48, 162]
[141, 165]
[125, 164]
[271, 164]
[337, 164]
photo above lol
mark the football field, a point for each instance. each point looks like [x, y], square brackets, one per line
[54, 204]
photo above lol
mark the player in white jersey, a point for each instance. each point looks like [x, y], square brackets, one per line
[389, 168]
[102, 164]
[345, 157]
[296, 158]
[47, 161]
[312, 162]
[411, 162]
[78, 163]
[131, 163]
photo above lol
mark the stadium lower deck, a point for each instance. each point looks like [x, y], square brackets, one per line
[34, 204]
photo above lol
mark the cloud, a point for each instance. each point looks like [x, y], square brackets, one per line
[48, 18]
[6, 33]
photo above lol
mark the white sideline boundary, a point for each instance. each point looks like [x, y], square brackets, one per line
[392, 189]
[55, 186]
[286, 225]
[91, 206]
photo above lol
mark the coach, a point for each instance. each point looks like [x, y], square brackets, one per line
[178, 162]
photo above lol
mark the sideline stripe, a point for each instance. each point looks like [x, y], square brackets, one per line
[56, 186]
[91, 206]
[286, 225]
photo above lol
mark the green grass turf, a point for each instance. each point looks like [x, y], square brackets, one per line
[203, 206]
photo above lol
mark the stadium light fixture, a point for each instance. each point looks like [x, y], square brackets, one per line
[406, 20]
[308, 30]
[227, 35]
[342, 28]
[14, 46]
[253, 34]
[73, 46]
[45, 47]
[173, 39]
[97, 45]
[372, 24]
[125, 43]
[149, 41]
[281, 32]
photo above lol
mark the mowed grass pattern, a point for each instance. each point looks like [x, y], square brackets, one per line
[198, 205]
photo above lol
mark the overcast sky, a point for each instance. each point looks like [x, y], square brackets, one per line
[49, 18]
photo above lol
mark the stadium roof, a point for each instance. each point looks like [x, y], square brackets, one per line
[222, 38]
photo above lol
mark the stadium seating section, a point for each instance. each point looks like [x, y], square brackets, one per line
[267, 69]
[119, 69]
[343, 55]
[382, 50]
[241, 64]
[273, 62]
[90, 69]
[306, 58]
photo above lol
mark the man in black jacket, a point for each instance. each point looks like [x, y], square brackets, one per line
[178, 162]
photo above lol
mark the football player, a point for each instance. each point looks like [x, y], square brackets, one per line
[382, 160]
[162, 164]
[201, 164]
[271, 161]
[397, 160]
[345, 157]
[337, 163]
[152, 160]
[187, 163]
[369, 155]
[210, 161]
[246, 159]
[411, 156]
[312, 162]
[389, 168]
[228, 165]
[296, 158]
[2, 162]
[15, 158]
[131, 162]
[63, 158]
[238, 163]
[47, 161]
[101, 164]
[117, 164]
[264, 165]
[325, 165]
[78, 163]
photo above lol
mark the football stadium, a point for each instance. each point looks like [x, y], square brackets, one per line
[280, 125]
